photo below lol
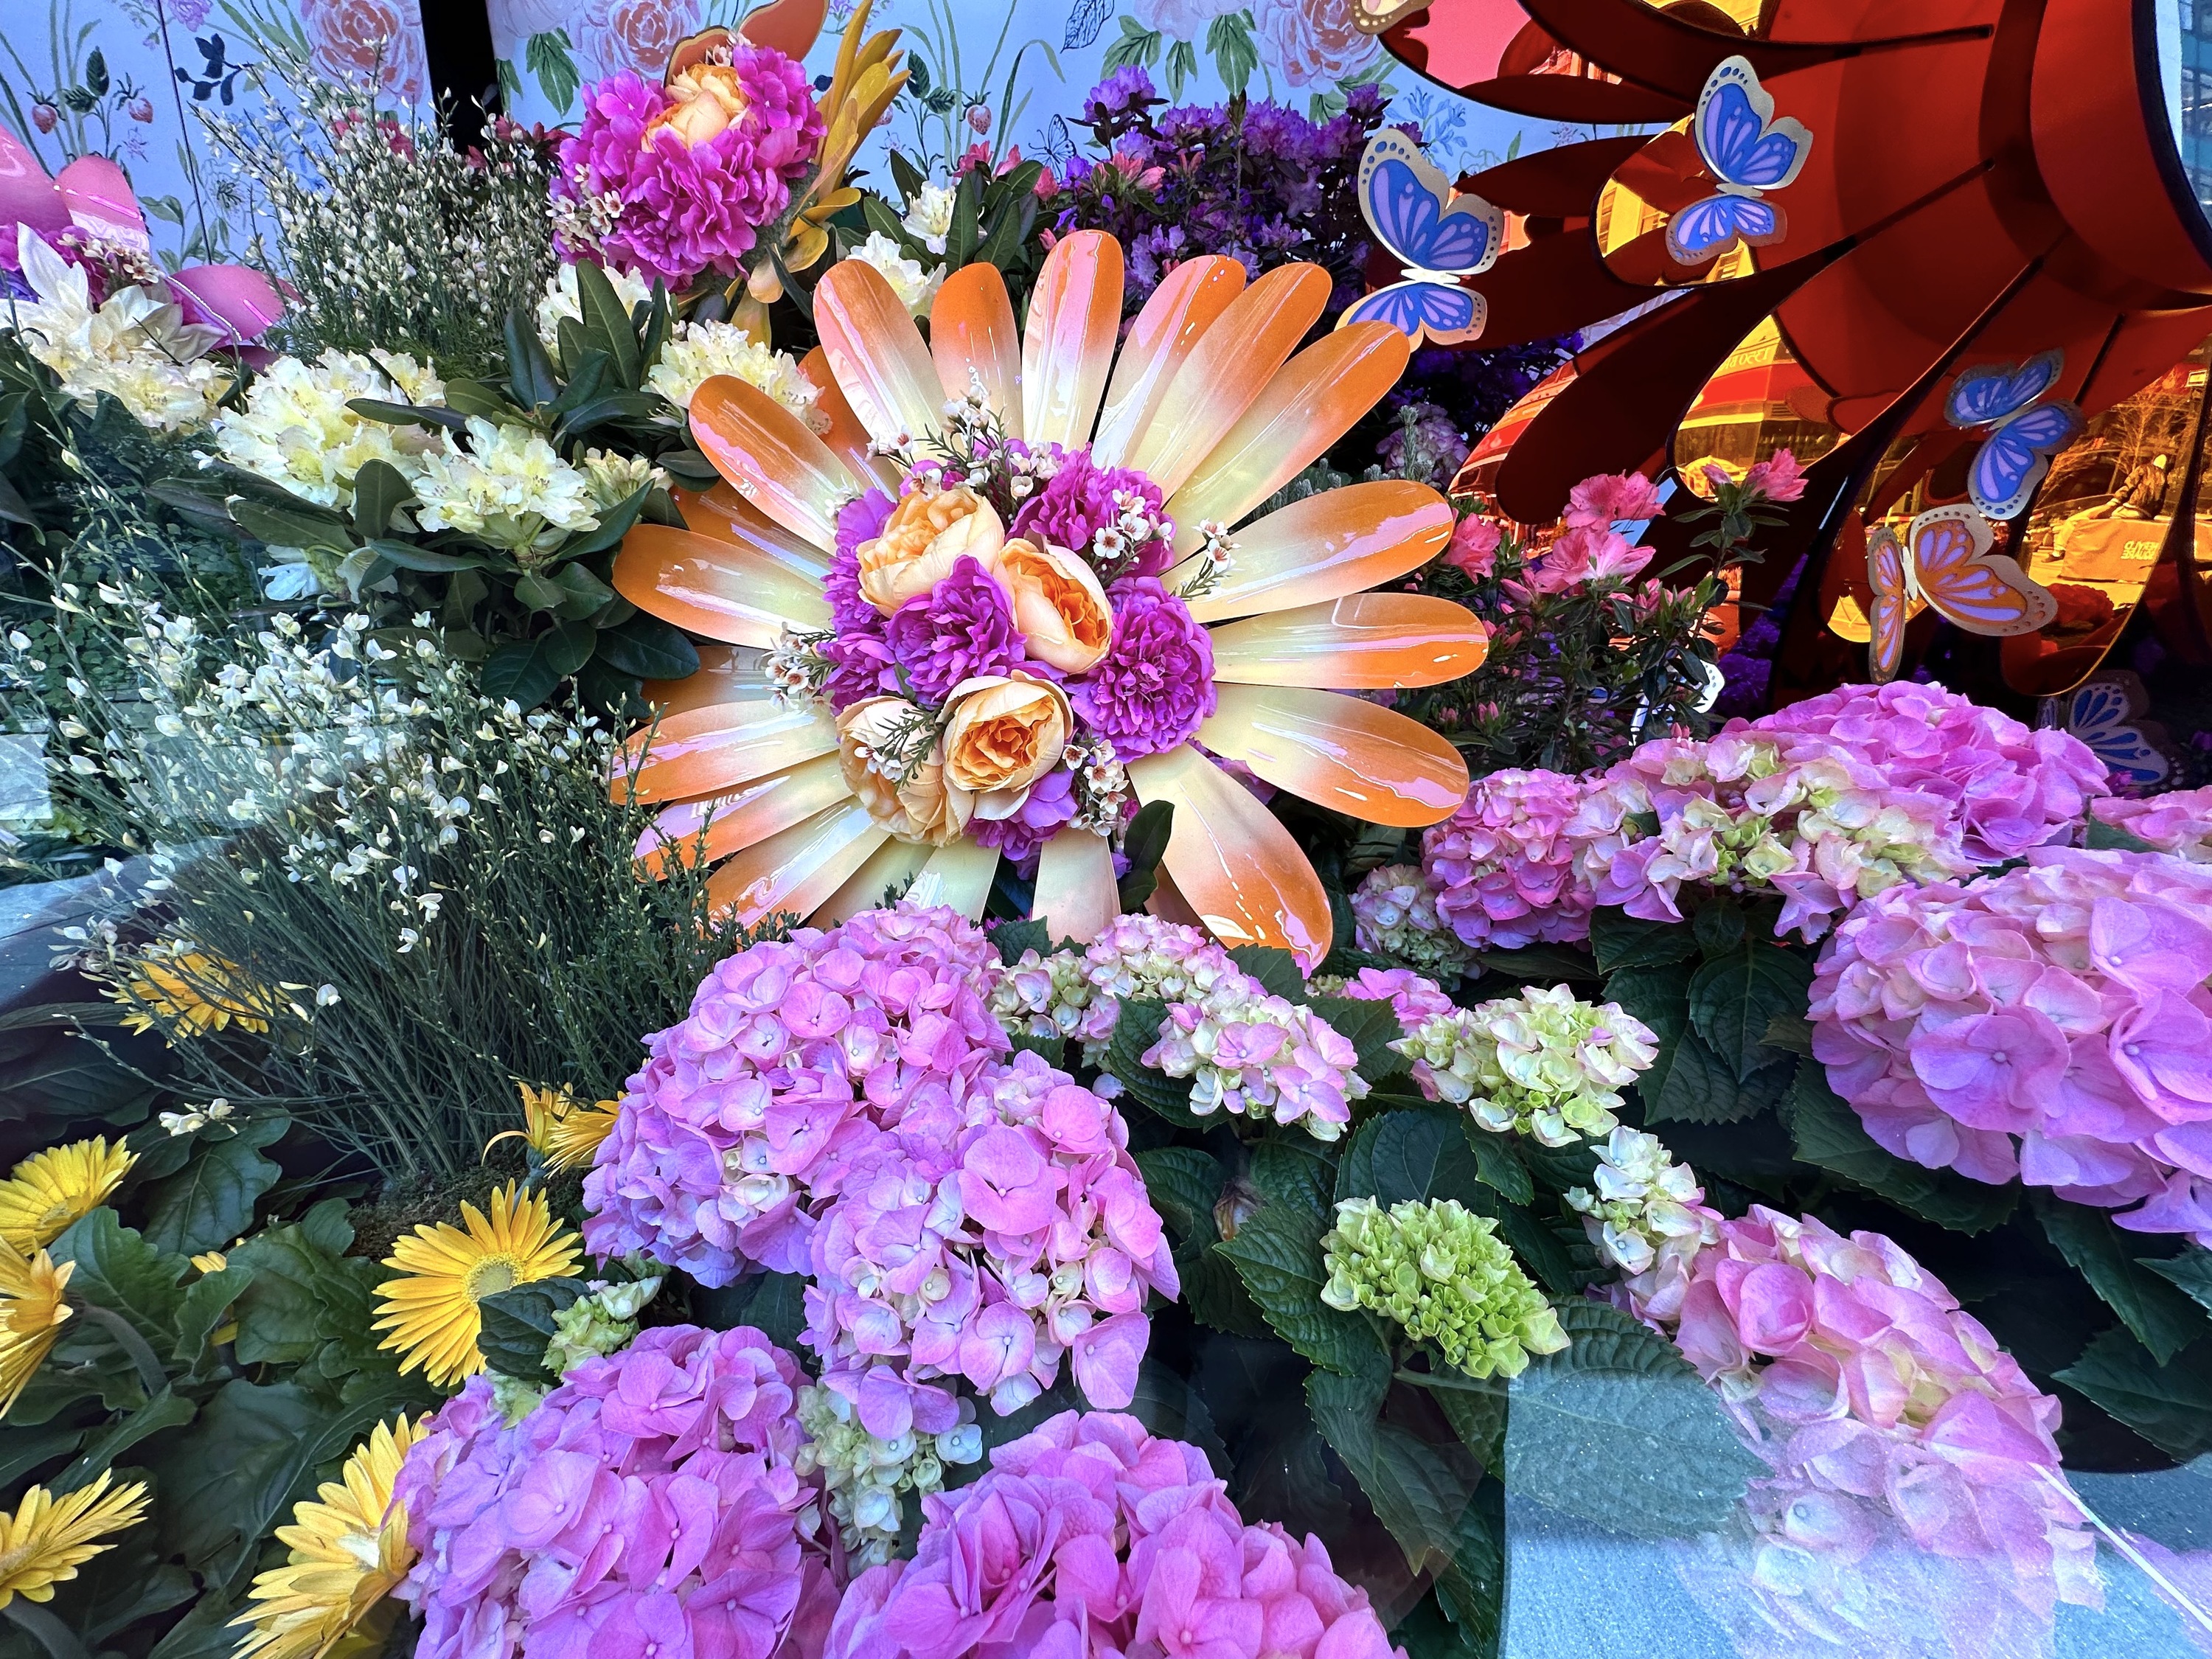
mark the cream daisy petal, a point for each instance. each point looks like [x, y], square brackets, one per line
[1314, 399]
[1227, 370]
[1076, 894]
[795, 870]
[1325, 547]
[727, 673]
[1361, 642]
[770, 458]
[1351, 755]
[718, 747]
[889, 869]
[1183, 307]
[704, 831]
[723, 515]
[718, 588]
[1233, 861]
[847, 439]
[875, 352]
[972, 336]
[1068, 346]
[959, 874]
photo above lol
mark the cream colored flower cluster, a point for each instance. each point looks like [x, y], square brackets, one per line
[136, 346]
[297, 432]
[512, 487]
[694, 352]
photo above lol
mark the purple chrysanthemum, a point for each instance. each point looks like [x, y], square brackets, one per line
[1155, 685]
[961, 628]
[859, 654]
[1080, 500]
[1050, 803]
[687, 208]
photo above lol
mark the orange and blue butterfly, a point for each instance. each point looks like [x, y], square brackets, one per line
[1943, 561]
[1749, 151]
[1438, 238]
[2011, 397]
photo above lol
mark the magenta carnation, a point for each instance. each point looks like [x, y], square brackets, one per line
[1503, 865]
[683, 209]
[650, 1502]
[859, 650]
[792, 1049]
[1886, 1413]
[1082, 499]
[1155, 685]
[1091, 1539]
[960, 628]
[2051, 1023]
[2008, 788]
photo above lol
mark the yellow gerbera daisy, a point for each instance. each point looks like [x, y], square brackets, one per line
[563, 1130]
[185, 992]
[49, 1190]
[349, 1548]
[48, 1538]
[31, 1314]
[432, 1313]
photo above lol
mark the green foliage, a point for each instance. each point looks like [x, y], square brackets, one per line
[2161, 1318]
[209, 1202]
[1827, 1132]
[518, 1324]
[2169, 1404]
[1278, 1253]
[1421, 1490]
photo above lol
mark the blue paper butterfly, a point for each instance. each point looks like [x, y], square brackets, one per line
[1747, 150]
[1436, 236]
[2100, 713]
[2012, 460]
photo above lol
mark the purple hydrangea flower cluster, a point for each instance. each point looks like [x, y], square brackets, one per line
[1504, 866]
[1887, 1414]
[1091, 1539]
[989, 1236]
[648, 1504]
[2010, 788]
[682, 208]
[1394, 915]
[1155, 685]
[2052, 1023]
[2179, 823]
[1414, 999]
[791, 1049]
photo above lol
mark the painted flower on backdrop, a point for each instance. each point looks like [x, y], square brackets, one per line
[998, 617]
[1312, 42]
[369, 39]
[615, 35]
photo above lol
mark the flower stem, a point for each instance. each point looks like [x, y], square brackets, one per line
[151, 1372]
[50, 1633]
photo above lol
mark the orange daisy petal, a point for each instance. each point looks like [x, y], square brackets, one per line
[1351, 755]
[1183, 307]
[794, 870]
[1361, 642]
[708, 751]
[1326, 547]
[1075, 315]
[846, 438]
[972, 332]
[718, 588]
[770, 458]
[875, 352]
[702, 831]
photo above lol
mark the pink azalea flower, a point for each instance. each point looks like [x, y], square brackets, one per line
[1610, 498]
[1778, 479]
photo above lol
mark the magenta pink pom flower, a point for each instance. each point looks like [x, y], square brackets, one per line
[1155, 685]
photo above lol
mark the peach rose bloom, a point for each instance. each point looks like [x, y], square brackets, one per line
[1058, 604]
[925, 533]
[704, 99]
[1003, 733]
[925, 808]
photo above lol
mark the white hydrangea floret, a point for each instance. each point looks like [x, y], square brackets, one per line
[1540, 1064]
[509, 486]
[1640, 1202]
[865, 1477]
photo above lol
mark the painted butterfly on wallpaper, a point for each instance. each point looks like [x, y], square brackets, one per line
[1943, 561]
[2102, 713]
[2014, 458]
[1436, 236]
[1373, 16]
[1748, 150]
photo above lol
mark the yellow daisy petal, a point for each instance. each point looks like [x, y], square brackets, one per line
[430, 1312]
[31, 1314]
[47, 1538]
[49, 1190]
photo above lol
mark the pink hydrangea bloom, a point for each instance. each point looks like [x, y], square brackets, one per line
[2051, 1023]
[1091, 1539]
[2179, 822]
[1881, 1408]
[680, 209]
[989, 1238]
[2008, 787]
[791, 1050]
[1414, 999]
[649, 1502]
[1504, 864]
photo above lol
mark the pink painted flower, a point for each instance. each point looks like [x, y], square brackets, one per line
[1778, 479]
[377, 42]
[1088, 1538]
[1609, 498]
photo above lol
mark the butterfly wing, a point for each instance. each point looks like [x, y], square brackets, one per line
[1704, 229]
[1410, 207]
[1373, 16]
[1990, 391]
[2013, 459]
[1892, 608]
[1948, 562]
[1448, 316]
[1738, 135]
[2098, 714]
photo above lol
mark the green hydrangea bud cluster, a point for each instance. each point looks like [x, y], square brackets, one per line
[1043, 997]
[1540, 1064]
[1644, 1203]
[1394, 915]
[601, 1321]
[865, 1477]
[1441, 1272]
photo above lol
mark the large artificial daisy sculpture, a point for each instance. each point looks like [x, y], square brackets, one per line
[1009, 594]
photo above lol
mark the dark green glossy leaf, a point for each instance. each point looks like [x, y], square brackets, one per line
[1620, 941]
[379, 491]
[518, 1324]
[607, 323]
[1734, 997]
[1274, 967]
[1278, 1253]
[2191, 1270]
[210, 1201]
[2163, 1320]
[528, 670]
[165, 1410]
[532, 380]
[278, 527]
[1827, 1132]
[2102, 837]
[1540, 963]
[2169, 1404]
[1144, 844]
[118, 1270]
[1183, 1183]
[649, 648]
[1420, 1492]
[1371, 1026]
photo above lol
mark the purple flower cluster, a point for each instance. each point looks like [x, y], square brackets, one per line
[1050, 803]
[1414, 999]
[682, 207]
[2009, 788]
[961, 629]
[2052, 1023]
[649, 1504]
[1091, 1539]
[1082, 501]
[1154, 687]
[791, 1051]
[859, 650]
[1504, 867]
[1881, 1408]
[2179, 822]
[987, 1238]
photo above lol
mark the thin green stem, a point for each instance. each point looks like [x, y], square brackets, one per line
[151, 1371]
[49, 1631]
